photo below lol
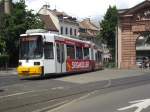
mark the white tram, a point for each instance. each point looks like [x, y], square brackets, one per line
[47, 53]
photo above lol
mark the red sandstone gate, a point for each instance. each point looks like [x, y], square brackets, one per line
[132, 22]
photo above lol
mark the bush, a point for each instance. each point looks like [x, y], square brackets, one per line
[109, 65]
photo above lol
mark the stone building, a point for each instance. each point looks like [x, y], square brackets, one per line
[59, 22]
[133, 23]
[88, 30]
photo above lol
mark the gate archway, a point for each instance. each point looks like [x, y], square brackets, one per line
[143, 49]
[132, 23]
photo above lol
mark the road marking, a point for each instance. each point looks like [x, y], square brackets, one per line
[57, 88]
[140, 104]
[49, 107]
[86, 96]
[16, 94]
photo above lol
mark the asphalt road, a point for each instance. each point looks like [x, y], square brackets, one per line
[44, 95]
[127, 98]
[10, 80]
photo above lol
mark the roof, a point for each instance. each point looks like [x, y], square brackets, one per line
[58, 13]
[120, 11]
[87, 34]
[54, 14]
[62, 16]
[141, 5]
[49, 25]
[87, 24]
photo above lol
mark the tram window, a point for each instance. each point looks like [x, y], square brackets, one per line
[79, 53]
[48, 51]
[70, 51]
[96, 56]
[99, 56]
[60, 53]
[92, 54]
[86, 53]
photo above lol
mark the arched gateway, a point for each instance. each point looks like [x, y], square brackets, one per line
[132, 22]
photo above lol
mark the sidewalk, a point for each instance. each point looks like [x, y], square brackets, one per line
[10, 71]
[107, 74]
[97, 76]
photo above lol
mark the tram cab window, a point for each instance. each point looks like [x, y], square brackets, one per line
[79, 53]
[48, 51]
[86, 53]
[70, 52]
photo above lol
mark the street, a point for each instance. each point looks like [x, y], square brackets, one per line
[112, 100]
[80, 56]
[110, 89]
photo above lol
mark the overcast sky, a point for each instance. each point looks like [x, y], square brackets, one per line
[82, 8]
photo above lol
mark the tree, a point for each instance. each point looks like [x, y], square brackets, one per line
[15, 24]
[108, 26]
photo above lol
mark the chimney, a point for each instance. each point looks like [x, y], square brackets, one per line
[7, 6]
[46, 6]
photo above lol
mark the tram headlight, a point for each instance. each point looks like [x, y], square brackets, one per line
[36, 63]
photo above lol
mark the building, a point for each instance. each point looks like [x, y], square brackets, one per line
[88, 30]
[133, 24]
[59, 22]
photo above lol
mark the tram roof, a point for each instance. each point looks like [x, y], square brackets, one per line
[57, 35]
[61, 36]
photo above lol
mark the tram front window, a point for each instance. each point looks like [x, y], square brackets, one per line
[31, 47]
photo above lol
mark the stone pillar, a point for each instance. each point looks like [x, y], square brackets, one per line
[118, 47]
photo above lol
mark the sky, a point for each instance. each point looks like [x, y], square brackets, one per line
[82, 8]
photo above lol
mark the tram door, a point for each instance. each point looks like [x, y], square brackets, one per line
[60, 58]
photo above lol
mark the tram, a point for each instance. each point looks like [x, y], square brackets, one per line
[44, 53]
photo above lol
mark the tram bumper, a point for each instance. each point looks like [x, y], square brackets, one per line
[29, 71]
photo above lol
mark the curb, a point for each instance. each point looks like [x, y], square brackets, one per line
[7, 73]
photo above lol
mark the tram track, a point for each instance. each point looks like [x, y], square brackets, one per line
[70, 94]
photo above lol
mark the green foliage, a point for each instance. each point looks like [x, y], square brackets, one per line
[109, 65]
[108, 26]
[2, 46]
[11, 26]
[4, 60]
